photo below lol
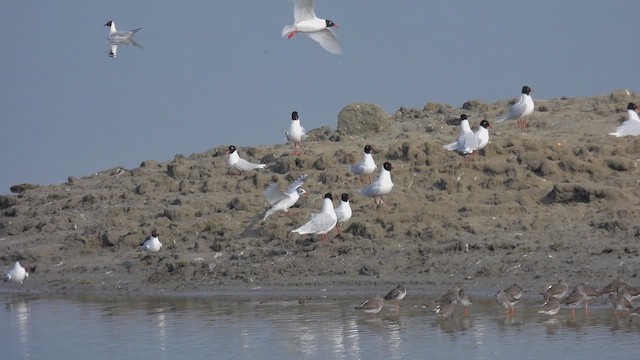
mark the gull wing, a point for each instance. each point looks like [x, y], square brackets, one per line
[328, 40]
[303, 10]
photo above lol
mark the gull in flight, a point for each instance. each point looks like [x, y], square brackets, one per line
[306, 21]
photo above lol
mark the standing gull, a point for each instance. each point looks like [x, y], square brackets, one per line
[235, 162]
[365, 167]
[306, 21]
[282, 200]
[521, 109]
[482, 134]
[467, 141]
[152, 243]
[343, 212]
[631, 126]
[382, 186]
[16, 274]
[296, 134]
[321, 223]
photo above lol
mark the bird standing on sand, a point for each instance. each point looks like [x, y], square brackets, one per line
[557, 290]
[235, 162]
[482, 134]
[631, 126]
[467, 141]
[321, 223]
[296, 134]
[521, 109]
[343, 212]
[152, 243]
[306, 21]
[397, 294]
[282, 200]
[371, 306]
[382, 185]
[365, 167]
[16, 273]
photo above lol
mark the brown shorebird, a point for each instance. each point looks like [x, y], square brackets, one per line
[613, 286]
[371, 306]
[507, 300]
[514, 291]
[397, 294]
[451, 295]
[465, 300]
[620, 304]
[551, 307]
[557, 290]
[588, 293]
[444, 309]
[632, 291]
[575, 298]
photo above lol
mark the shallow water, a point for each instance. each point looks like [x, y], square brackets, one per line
[240, 327]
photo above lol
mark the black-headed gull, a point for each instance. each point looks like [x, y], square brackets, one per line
[152, 243]
[631, 126]
[343, 212]
[482, 134]
[521, 109]
[371, 306]
[365, 167]
[396, 294]
[117, 38]
[16, 273]
[321, 223]
[306, 21]
[296, 134]
[282, 200]
[235, 162]
[467, 141]
[382, 186]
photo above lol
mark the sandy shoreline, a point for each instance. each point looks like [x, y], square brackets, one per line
[558, 200]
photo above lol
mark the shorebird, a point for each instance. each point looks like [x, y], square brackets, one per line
[588, 293]
[382, 186]
[550, 307]
[557, 290]
[152, 243]
[613, 286]
[343, 212]
[444, 309]
[509, 297]
[575, 298]
[365, 167]
[235, 162]
[452, 295]
[465, 300]
[296, 134]
[514, 291]
[631, 126]
[16, 273]
[321, 223]
[306, 21]
[521, 109]
[282, 200]
[620, 303]
[397, 294]
[371, 306]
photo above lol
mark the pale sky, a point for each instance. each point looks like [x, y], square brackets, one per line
[214, 73]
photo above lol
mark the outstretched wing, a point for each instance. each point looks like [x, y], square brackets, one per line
[273, 194]
[296, 184]
[328, 40]
[303, 10]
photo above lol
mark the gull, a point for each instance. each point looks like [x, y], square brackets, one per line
[482, 134]
[296, 133]
[152, 243]
[557, 290]
[235, 162]
[467, 141]
[282, 200]
[343, 212]
[321, 223]
[382, 185]
[117, 38]
[371, 306]
[521, 109]
[16, 273]
[306, 21]
[365, 167]
[631, 126]
[396, 294]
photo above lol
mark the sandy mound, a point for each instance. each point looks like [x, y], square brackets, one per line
[560, 199]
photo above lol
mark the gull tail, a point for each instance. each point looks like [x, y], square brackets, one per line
[502, 118]
[450, 147]
[287, 31]
[135, 30]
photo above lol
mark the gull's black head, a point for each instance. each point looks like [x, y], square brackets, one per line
[108, 23]
[328, 196]
[463, 117]
[294, 115]
[367, 149]
[231, 149]
[330, 23]
[345, 197]
[387, 166]
[485, 124]
[632, 106]
[526, 90]
[154, 233]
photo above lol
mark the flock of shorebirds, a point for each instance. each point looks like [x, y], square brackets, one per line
[620, 295]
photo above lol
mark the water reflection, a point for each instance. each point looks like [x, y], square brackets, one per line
[112, 50]
[98, 328]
